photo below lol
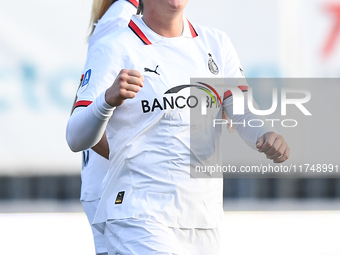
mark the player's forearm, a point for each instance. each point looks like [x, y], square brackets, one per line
[102, 148]
[240, 123]
[86, 126]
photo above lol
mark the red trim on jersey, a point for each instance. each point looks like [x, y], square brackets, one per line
[228, 93]
[211, 88]
[139, 33]
[82, 104]
[192, 30]
[134, 2]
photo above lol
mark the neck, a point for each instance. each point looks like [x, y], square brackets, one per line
[167, 24]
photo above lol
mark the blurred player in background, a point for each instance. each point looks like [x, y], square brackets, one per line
[108, 16]
[150, 203]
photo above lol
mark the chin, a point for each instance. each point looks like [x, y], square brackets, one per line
[177, 4]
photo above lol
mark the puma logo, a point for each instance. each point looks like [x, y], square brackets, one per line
[151, 71]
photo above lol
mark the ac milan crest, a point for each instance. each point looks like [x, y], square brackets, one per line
[212, 65]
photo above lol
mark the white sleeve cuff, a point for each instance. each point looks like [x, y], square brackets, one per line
[101, 108]
[247, 133]
[86, 126]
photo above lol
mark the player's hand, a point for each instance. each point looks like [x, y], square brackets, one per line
[274, 146]
[126, 85]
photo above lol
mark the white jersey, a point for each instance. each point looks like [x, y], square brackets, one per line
[149, 137]
[94, 165]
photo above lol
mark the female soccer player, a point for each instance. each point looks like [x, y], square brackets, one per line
[108, 16]
[137, 92]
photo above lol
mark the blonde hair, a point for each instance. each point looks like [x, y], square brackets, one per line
[99, 7]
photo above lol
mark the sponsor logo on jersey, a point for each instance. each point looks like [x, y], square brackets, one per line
[212, 65]
[119, 198]
[170, 100]
[150, 70]
[86, 80]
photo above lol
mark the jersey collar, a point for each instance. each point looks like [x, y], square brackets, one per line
[148, 37]
[134, 2]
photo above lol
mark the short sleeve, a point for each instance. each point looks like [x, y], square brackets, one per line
[101, 69]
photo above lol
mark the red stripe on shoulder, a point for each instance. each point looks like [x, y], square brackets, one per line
[134, 2]
[192, 30]
[139, 33]
[82, 103]
[228, 93]
[243, 88]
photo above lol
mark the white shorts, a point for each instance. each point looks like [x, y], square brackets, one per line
[148, 237]
[99, 240]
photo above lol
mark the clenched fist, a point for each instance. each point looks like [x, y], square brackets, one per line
[126, 85]
[274, 146]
